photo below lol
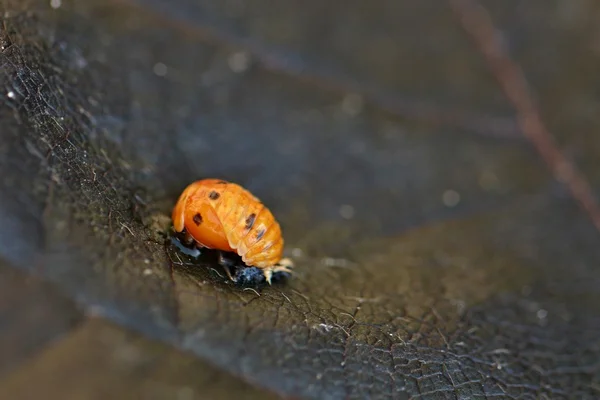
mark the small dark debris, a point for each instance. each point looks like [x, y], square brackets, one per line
[253, 276]
[214, 195]
[249, 276]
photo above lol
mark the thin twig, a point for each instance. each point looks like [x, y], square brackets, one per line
[477, 22]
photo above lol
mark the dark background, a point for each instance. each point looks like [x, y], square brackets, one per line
[437, 256]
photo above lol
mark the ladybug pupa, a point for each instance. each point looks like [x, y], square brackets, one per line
[224, 216]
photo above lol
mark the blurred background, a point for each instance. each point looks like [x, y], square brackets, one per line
[432, 164]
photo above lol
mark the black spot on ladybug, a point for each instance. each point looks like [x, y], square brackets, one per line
[250, 221]
[197, 219]
[261, 233]
[214, 195]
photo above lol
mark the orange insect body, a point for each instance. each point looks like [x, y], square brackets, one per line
[224, 216]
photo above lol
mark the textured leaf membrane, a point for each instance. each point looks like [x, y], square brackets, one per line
[93, 357]
[109, 110]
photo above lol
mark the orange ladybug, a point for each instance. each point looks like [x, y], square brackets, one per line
[224, 216]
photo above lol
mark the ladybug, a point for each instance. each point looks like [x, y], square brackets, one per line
[224, 216]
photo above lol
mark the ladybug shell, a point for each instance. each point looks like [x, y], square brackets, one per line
[224, 216]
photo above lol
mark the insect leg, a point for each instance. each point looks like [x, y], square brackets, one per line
[226, 264]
